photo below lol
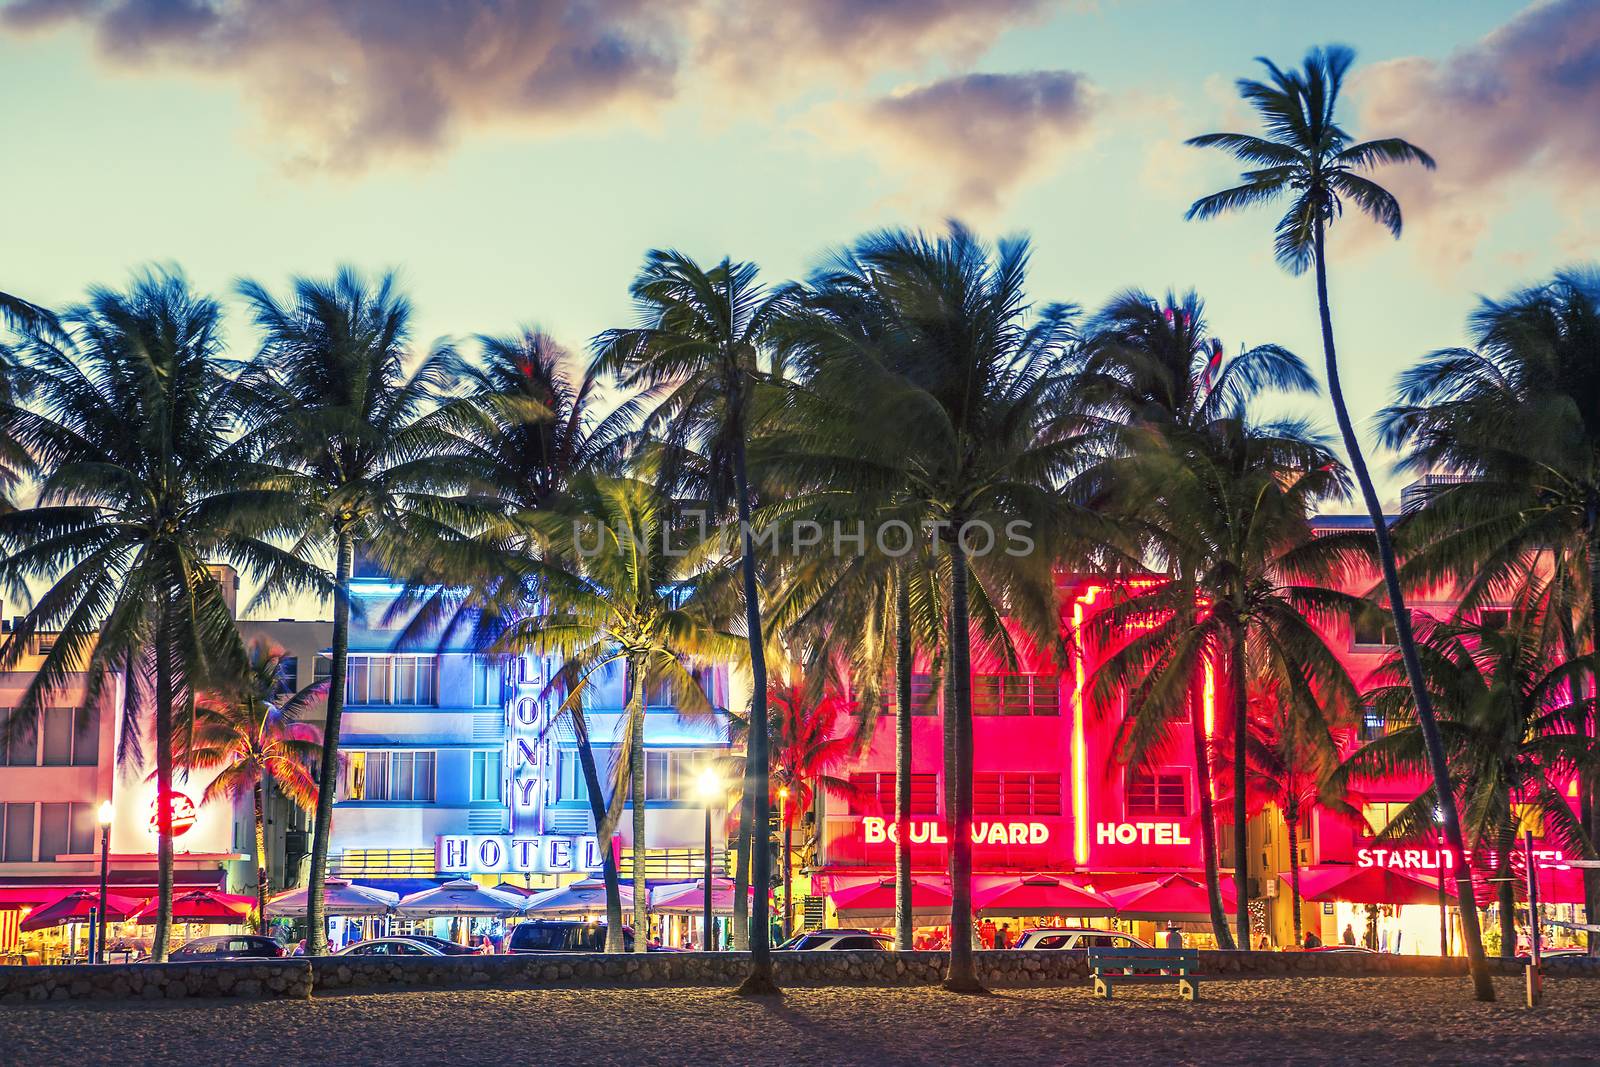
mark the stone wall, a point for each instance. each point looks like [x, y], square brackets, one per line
[301, 977]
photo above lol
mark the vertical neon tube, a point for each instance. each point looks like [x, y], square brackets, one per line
[1080, 781]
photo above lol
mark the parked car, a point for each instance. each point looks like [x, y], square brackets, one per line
[1342, 948]
[391, 946]
[228, 947]
[448, 947]
[562, 935]
[1082, 938]
[838, 940]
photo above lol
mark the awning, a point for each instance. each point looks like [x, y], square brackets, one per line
[1368, 885]
[1040, 894]
[874, 900]
[689, 898]
[462, 897]
[586, 897]
[75, 908]
[201, 906]
[1171, 897]
[338, 898]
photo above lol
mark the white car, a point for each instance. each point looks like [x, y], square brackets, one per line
[1065, 939]
[391, 946]
[838, 941]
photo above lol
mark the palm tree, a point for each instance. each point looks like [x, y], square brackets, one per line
[1291, 756]
[622, 581]
[137, 492]
[959, 399]
[697, 354]
[1516, 419]
[1153, 378]
[1228, 507]
[374, 457]
[252, 731]
[1506, 704]
[1310, 158]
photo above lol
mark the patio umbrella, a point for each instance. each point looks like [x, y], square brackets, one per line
[462, 897]
[1368, 885]
[580, 898]
[201, 906]
[339, 897]
[1170, 896]
[875, 900]
[689, 898]
[1041, 895]
[75, 908]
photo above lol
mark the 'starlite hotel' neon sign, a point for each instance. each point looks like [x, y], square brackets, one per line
[875, 831]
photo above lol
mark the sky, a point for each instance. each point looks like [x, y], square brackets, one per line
[514, 161]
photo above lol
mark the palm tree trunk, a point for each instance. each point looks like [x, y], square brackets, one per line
[1505, 888]
[1471, 935]
[162, 943]
[903, 919]
[604, 829]
[757, 773]
[261, 858]
[961, 977]
[741, 878]
[328, 773]
[1208, 830]
[1241, 826]
[641, 890]
[1294, 874]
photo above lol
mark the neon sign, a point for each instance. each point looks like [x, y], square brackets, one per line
[1140, 833]
[503, 854]
[875, 831]
[1435, 859]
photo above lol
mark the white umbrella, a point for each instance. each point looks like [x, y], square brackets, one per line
[339, 897]
[579, 898]
[460, 897]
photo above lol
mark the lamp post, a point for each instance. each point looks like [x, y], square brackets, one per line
[710, 788]
[783, 821]
[105, 871]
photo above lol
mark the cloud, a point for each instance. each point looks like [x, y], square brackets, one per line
[978, 135]
[1513, 113]
[794, 42]
[348, 81]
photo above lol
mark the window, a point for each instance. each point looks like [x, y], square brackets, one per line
[404, 680]
[1374, 629]
[485, 682]
[84, 830]
[1158, 793]
[401, 776]
[288, 679]
[1378, 816]
[1373, 724]
[55, 823]
[1016, 694]
[1016, 793]
[569, 775]
[486, 776]
[656, 769]
[23, 748]
[1494, 618]
[875, 793]
[16, 833]
[323, 668]
[924, 696]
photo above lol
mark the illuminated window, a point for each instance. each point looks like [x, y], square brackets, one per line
[1379, 815]
[399, 776]
[1163, 792]
[486, 776]
[402, 680]
[485, 682]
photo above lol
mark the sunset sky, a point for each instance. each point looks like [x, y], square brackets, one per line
[514, 161]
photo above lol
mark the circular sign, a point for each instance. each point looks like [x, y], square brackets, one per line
[183, 814]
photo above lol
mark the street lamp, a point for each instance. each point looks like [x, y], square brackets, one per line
[105, 871]
[710, 789]
[783, 821]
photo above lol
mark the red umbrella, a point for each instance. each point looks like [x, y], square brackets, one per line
[201, 906]
[1171, 896]
[1041, 895]
[1368, 885]
[875, 900]
[75, 908]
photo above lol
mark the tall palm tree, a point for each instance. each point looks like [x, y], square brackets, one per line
[251, 733]
[622, 579]
[1516, 420]
[375, 459]
[1309, 158]
[1153, 378]
[1506, 704]
[1228, 507]
[697, 354]
[1291, 756]
[960, 411]
[137, 492]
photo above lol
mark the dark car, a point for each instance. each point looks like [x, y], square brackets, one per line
[561, 935]
[449, 948]
[228, 947]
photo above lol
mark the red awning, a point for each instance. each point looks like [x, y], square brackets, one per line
[75, 907]
[201, 906]
[1172, 896]
[930, 899]
[1368, 885]
[1041, 894]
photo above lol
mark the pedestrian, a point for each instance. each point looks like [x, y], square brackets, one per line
[1173, 938]
[1349, 937]
[1002, 939]
[1312, 940]
[986, 933]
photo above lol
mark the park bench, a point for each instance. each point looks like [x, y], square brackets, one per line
[1146, 965]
